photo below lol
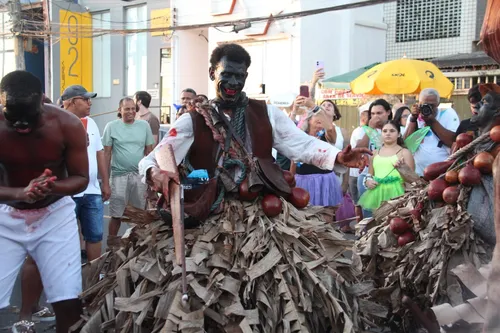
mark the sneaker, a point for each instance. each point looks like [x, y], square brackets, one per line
[43, 315]
[23, 326]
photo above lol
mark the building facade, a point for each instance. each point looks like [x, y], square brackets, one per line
[111, 63]
[284, 52]
[426, 29]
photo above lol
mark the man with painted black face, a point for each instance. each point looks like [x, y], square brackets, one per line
[487, 116]
[228, 70]
[45, 160]
[435, 147]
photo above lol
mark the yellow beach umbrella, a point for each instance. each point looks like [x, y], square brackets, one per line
[402, 76]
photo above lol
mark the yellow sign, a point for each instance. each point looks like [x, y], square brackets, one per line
[340, 96]
[160, 18]
[75, 51]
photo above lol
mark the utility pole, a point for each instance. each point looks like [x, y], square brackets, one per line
[15, 11]
[47, 49]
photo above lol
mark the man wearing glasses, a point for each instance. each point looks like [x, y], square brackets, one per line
[89, 204]
[435, 147]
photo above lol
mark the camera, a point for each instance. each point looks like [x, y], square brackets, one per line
[426, 110]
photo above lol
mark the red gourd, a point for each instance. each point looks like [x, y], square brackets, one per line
[469, 176]
[450, 194]
[271, 205]
[436, 189]
[299, 197]
[398, 226]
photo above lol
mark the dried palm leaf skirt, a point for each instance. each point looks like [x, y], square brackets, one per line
[245, 273]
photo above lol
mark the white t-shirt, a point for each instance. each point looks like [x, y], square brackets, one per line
[356, 135]
[339, 143]
[429, 152]
[95, 145]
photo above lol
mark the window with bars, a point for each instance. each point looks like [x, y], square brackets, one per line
[465, 83]
[427, 19]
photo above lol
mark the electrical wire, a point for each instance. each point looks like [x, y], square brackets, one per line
[37, 28]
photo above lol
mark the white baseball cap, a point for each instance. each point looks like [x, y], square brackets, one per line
[364, 107]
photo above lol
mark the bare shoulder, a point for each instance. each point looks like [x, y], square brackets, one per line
[69, 125]
[406, 152]
[64, 117]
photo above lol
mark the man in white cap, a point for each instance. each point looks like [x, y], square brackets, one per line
[357, 135]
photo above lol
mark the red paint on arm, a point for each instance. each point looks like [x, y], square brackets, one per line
[172, 132]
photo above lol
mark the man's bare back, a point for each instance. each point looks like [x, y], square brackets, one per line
[57, 143]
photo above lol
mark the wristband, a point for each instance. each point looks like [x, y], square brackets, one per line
[413, 119]
[367, 178]
[316, 109]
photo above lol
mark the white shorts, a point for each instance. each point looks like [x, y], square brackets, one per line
[126, 189]
[50, 236]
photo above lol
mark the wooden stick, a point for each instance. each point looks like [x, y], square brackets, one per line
[345, 220]
[166, 161]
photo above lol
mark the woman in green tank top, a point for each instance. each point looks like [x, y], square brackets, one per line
[383, 180]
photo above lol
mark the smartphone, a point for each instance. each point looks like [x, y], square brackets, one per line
[320, 64]
[304, 91]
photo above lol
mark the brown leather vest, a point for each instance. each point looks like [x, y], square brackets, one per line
[203, 155]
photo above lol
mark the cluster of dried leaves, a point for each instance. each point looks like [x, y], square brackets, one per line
[422, 269]
[473, 311]
[246, 273]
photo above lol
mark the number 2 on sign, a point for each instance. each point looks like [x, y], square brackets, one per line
[73, 62]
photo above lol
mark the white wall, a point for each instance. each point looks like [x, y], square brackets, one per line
[285, 57]
[275, 55]
[345, 40]
[368, 37]
[190, 61]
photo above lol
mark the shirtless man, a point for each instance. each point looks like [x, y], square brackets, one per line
[45, 163]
